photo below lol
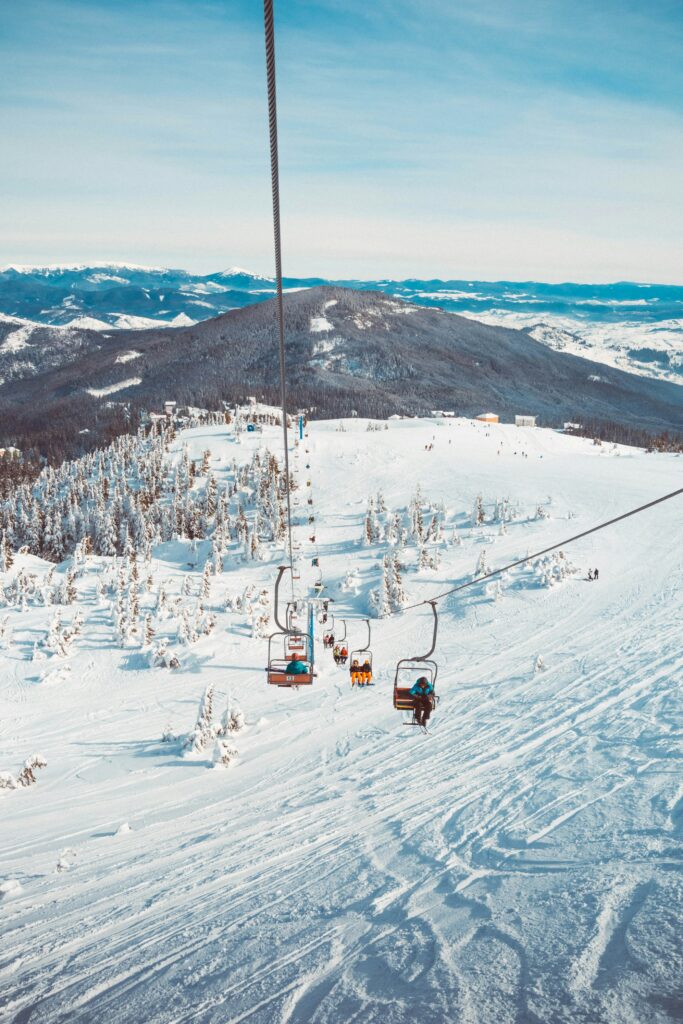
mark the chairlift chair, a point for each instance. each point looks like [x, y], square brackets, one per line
[329, 638]
[295, 645]
[408, 670]
[295, 648]
[340, 642]
[358, 660]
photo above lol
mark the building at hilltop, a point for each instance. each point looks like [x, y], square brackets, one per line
[525, 421]
[488, 417]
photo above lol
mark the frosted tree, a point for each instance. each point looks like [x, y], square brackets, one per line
[206, 582]
[478, 515]
[204, 730]
[416, 519]
[381, 598]
[149, 631]
[6, 555]
[70, 592]
[26, 776]
[223, 753]
[5, 633]
[539, 665]
[232, 720]
[482, 567]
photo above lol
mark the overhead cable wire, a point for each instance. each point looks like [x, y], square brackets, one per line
[275, 182]
[537, 554]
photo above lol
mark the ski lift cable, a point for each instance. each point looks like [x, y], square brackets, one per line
[537, 554]
[275, 183]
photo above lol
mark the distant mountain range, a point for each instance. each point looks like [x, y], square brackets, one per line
[635, 327]
[346, 350]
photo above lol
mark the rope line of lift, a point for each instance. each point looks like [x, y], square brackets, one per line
[545, 551]
[275, 184]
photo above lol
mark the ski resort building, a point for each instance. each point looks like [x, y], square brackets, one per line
[525, 421]
[489, 417]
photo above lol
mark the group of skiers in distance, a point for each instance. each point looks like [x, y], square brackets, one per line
[592, 574]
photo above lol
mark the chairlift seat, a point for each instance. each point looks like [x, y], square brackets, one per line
[278, 675]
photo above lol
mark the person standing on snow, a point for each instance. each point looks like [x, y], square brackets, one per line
[422, 693]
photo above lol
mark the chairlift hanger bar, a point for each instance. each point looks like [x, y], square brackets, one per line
[275, 182]
[537, 554]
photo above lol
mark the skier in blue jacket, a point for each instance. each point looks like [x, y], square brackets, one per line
[422, 693]
[296, 668]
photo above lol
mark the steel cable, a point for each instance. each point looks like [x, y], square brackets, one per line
[537, 554]
[275, 183]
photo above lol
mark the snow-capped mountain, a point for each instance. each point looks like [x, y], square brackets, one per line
[636, 327]
[346, 350]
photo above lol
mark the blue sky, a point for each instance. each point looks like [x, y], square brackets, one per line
[513, 139]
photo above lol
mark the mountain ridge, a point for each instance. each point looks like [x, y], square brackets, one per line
[346, 350]
[637, 327]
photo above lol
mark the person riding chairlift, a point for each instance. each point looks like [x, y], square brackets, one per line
[296, 668]
[355, 673]
[422, 693]
[366, 673]
[343, 654]
[335, 654]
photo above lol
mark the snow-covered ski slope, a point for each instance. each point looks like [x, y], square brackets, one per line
[521, 863]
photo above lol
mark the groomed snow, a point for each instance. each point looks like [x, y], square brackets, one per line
[519, 864]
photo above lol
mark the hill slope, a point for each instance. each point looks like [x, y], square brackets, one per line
[345, 350]
[636, 327]
[521, 863]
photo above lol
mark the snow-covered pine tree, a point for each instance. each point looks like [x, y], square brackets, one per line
[206, 582]
[381, 598]
[5, 633]
[27, 776]
[204, 730]
[223, 753]
[149, 631]
[482, 568]
[232, 720]
[397, 596]
[6, 554]
[478, 515]
[70, 592]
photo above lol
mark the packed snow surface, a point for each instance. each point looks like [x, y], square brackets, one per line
[520, 863]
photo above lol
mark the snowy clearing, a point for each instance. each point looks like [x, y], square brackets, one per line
[110, 389]
[521, 863]
[127, 357]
